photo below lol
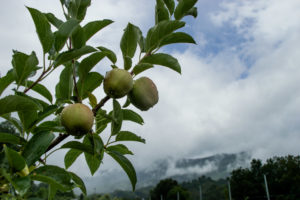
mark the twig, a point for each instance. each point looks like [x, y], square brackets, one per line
[100, 104]
[58, 140]
[36, 82]
[40, 78]
[75, 84]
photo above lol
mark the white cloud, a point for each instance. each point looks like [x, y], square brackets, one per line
[206, 168]
[210, 109]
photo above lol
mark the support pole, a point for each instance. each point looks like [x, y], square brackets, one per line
[178, 198]
[161, 197]
[229, 190]
[200, 192]
[267, 189]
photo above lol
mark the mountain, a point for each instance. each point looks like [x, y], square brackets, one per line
[185, 169]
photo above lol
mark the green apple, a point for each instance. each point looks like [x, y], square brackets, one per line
[117, 83]
[144, 94]
[77, 119]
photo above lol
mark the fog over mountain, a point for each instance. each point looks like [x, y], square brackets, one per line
[215, 166]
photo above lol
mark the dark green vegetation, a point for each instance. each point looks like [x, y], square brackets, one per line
[36, 117]
[168, 189]
[283, 176]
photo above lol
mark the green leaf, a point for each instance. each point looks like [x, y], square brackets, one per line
[77, 9]
[54, 20]
[126, 165]
[79, 146]
[53, 126]
[79, 182]
[129, 136]
[101, 121]
[78, 37]
[98, 145]
[28, 119]
[87, 64]
[142, 43]
[127, 103]
[71, 156]
[139, 68]
[72, 8]
[82, 7]
[72, 54]
[64, 88]
[132, 116]
[54, 176]
[6, 80]
[120, 148]
[117, 115]
[170, 5]
[161, 11]
[91, 82]
[92, 100]
[51, 192]
[164, 60]
[10, 138]
[21, 184]
[37, 146]
[183, 8]
[127, 62]
[32, 118]
[14, 121]
[64, 32]
[108, 53]
[24, 65]
[15, 160]
[193, 12]
[14, 103]
[47, 112]
[93, 161]
[41, 89]
[93, 27]
[157, 33]
[43, 29]
[178, 37]
[41, 104]
[129, 40]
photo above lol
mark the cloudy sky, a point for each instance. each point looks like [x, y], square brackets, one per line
[240, 85]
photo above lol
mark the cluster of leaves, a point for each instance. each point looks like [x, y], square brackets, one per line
[36, 119]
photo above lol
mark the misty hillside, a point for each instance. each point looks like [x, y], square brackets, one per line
[216, 166]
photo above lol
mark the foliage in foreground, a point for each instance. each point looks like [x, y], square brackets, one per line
[43, 120]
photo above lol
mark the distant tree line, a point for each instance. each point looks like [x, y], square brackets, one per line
[283, 178]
